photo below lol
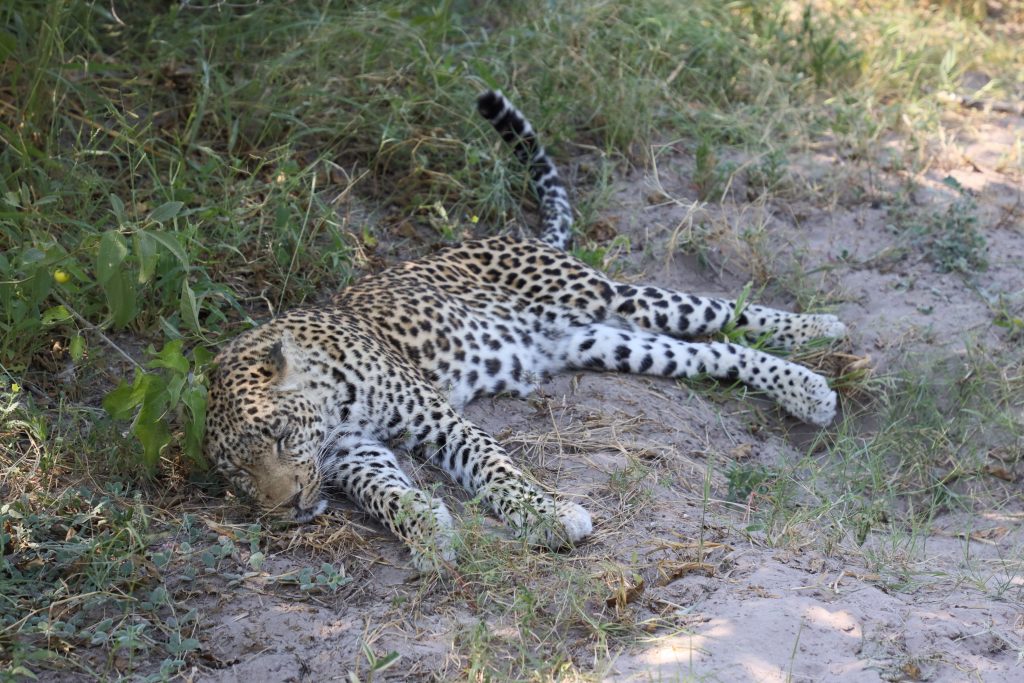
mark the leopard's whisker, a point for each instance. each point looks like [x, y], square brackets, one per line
[328, 444]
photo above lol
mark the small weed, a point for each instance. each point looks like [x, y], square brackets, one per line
[327, 579]
[940, 426]
[1008, 317]
[172, 393]
[710, 175]
[814, 47]
[768, 173]
[747, 481]
[604, 257]
[449, 230]
[627, 484]
[76, 571]
[949, 239]
[532, 608]
[375, 664]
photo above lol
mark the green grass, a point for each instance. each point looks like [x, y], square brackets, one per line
[536, 612]
[173, 173]
[949, 238]
[78, 570]
[942, 437]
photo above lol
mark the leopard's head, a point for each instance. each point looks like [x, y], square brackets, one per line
[263, 429]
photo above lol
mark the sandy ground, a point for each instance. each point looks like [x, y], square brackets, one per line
[805, 610]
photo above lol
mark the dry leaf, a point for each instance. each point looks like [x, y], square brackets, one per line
[672, 570]
[625, 588]
[1000, 471]
[742, 451]
[602, 230]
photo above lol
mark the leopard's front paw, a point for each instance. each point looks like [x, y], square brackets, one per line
[817, 406]
[824, 326]
[569, 524]
[574, 520]
[434, 548]
[303, 515]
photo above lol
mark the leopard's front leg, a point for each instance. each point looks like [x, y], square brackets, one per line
[369, 474]
[474, 459]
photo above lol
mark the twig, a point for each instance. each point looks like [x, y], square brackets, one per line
[97, 331]
[983, 104]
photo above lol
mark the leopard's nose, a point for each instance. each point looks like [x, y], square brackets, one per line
[302, 514]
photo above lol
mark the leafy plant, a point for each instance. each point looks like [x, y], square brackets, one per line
[1009, 318]
[29, 272]
[709, 174]
[376, 664]
[810, 46]
[746, 480]
[603, 257]
[174, 393]
[81, 549]
[768, 173]
[949, 239]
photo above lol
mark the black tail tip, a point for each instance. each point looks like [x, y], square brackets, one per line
[490, 103]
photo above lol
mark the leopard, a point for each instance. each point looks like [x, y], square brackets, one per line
[321, 399]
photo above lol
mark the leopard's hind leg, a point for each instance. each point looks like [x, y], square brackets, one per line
[801, 392]
[689, 315]
[552, 282]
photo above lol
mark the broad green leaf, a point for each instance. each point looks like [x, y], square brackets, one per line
[38, 285]
[170, 357]
[116, 283]
[146, 253]
[950, 181]
[120, 291]
[8, 44]
[121, 403]
[189, 308]
[165, 211]
[256, 560]
[153, 435]
[282, 217]
[178, 647]
[112, 253]
[150, 426]
[77, 349]
[32, 255]
[171, 244]
[54, 315]
[169, 329]
[201, 359]
[194, 398]
[174, 387]
[118, 206]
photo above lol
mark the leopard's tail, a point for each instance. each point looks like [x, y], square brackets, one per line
[555, 210]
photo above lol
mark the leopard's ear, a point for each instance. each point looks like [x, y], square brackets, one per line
[283, 362]
[276, 362]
